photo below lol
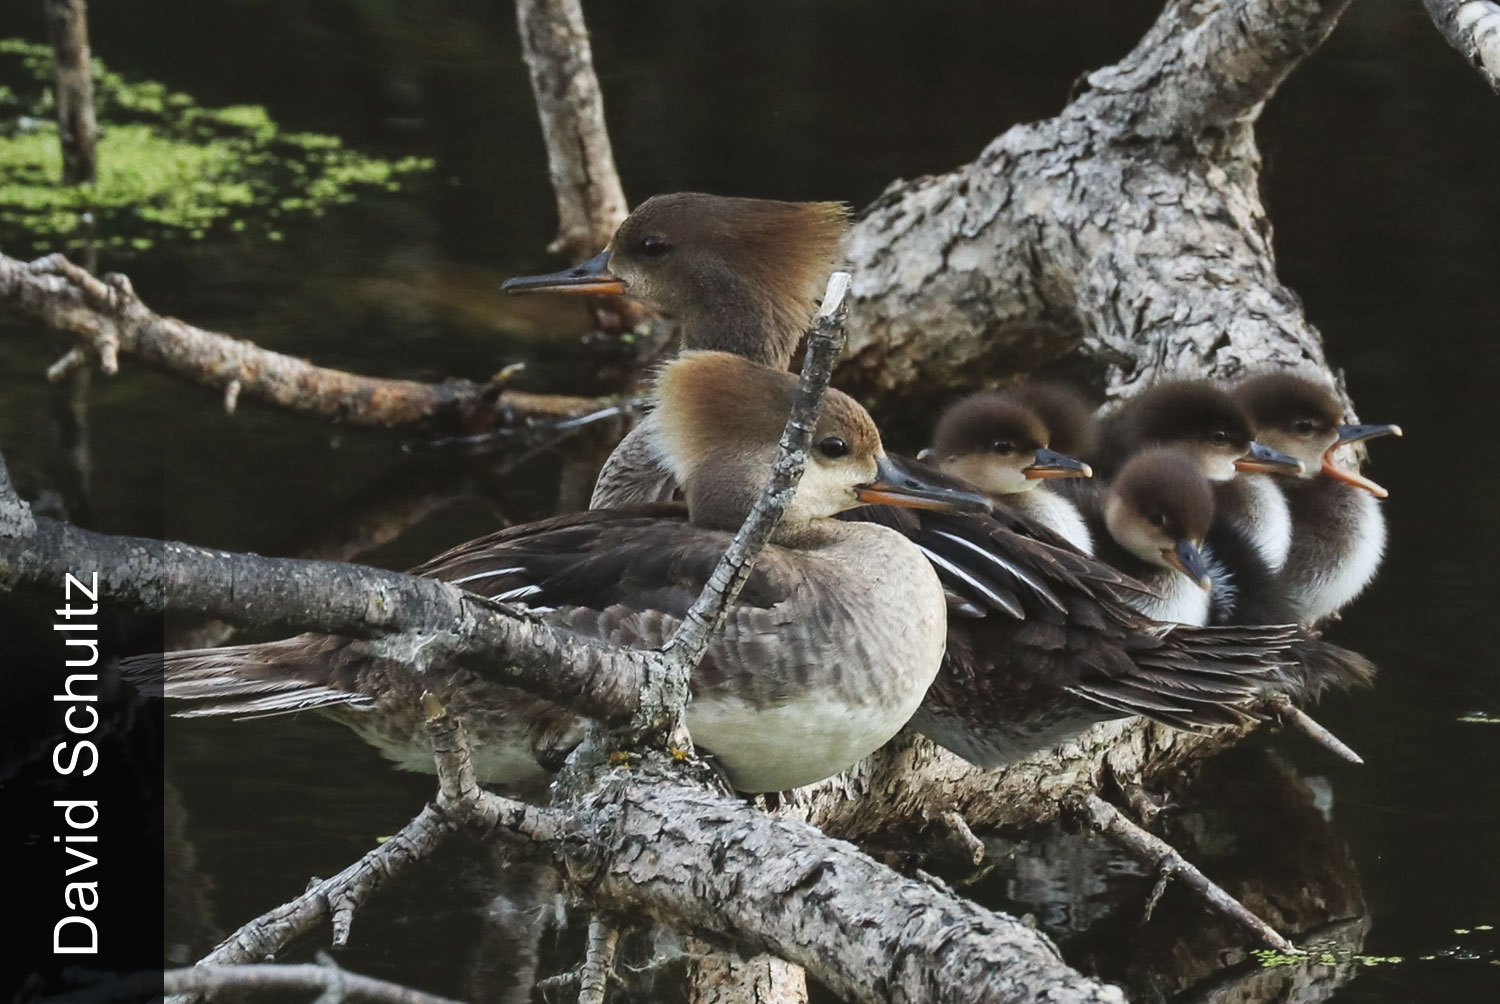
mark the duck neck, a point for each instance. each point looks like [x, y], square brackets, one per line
[757, 327]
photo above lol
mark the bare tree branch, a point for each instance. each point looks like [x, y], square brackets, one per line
[1104, 819]
[590, 201]
[334, 899]
[1473, 28]
[1129, 227]
[336, 984]
[108, 317]
[73, 88]
[1204, 64]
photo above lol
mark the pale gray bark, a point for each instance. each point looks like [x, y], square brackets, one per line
[1473, 28]
[590, 201]
[1129, 227]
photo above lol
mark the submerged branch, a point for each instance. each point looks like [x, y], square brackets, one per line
[1104, 819]
[108, 317]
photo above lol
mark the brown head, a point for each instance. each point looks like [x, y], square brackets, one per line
[1302, 418]
[1204, 422]
[1065, 412]
[1159, 508]
[739, 275]
[719, 419]
[998, 444]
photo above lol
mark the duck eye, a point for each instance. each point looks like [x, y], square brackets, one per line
[1219, 436]
[1002, 446]
[1303, 426]
[833, 447]
[654, 246]
[1160, 519]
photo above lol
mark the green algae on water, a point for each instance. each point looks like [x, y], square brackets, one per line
[168, 168]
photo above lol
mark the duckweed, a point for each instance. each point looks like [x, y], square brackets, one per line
[168, 168]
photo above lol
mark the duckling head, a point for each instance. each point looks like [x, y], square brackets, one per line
[719, 419]
[1069, 418]
[998, 444]
[1302, 418]
[1159, 508]
[1207, 424]
[740, 275]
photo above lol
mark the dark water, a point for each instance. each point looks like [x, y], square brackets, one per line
[1380, 177]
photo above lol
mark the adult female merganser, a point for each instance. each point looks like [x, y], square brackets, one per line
[1338, 530]
[1001, 445]
[737, 275]
[826, 654]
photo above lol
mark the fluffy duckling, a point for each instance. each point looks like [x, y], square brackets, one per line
[1000, 445]
[826, 654]
[1337, 529]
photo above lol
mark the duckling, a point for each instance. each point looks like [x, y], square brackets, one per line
[1000, 445]
[1208, 424]
[1067, 416]
[1338, 529]
[737, 275]
[1151, 522]
[826, 654]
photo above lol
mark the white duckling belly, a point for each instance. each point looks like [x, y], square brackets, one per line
[1057, 514]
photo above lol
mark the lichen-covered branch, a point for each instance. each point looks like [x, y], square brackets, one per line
[107, 317]
[590, 201]
[1473, 28]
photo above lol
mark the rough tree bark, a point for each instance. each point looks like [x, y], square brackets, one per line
[1473, 28]
[1129, 227]
[73, 88]
[107, 318]
[590, 201]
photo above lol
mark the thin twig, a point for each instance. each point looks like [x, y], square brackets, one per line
[1104, 819]
[686, 648]
[1293, 717]
[269, 933]
[307, 976]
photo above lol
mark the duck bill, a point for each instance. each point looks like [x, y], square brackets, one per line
[1188, 559]
[913, 485]
[1261, 459]
[1356, 434]
[593, 276]
[1055, 465]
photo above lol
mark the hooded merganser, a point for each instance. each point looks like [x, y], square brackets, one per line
[738, 275]
[1067, 416]
[1151, 522]
[1044, 649]
[1338, 530]
[999, 444]
[826, 654]
[1207, 423]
